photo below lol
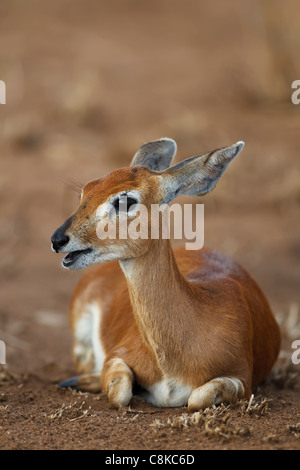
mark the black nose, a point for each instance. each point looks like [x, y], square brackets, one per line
[59, 239]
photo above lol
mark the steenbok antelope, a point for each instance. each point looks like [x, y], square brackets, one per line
[180, 328]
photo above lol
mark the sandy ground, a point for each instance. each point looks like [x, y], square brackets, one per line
[86, 85]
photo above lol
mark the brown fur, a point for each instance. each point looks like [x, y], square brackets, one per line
[226, 328]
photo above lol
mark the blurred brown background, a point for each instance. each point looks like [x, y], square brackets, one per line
[87, 83]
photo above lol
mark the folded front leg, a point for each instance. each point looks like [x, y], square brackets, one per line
[216, 391]
[116, 382]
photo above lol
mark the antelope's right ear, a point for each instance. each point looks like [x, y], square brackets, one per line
[156, 155]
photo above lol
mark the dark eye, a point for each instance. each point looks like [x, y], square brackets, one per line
[124, 203]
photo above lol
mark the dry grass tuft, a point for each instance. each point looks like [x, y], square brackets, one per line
[295, 430]
[216, 422]
[4, 408]
[72, 412]
[258, 406]
[270, 438]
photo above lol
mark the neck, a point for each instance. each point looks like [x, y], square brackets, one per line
[160, 298]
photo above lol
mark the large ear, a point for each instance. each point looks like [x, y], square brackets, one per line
[197, 175]
[156, 155]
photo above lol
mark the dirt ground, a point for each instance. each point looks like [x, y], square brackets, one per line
[87, 83]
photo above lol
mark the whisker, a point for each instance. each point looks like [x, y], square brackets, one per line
[73, 185]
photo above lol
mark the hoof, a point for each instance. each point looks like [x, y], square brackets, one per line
[72, 382]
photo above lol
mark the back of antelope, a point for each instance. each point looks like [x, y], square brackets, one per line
[178, 327]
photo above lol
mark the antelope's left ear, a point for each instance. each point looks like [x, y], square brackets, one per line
[197, 175]
[156, 155]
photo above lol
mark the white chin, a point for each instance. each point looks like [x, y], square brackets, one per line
[84, 260]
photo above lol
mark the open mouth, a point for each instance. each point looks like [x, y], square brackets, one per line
[74, 255]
